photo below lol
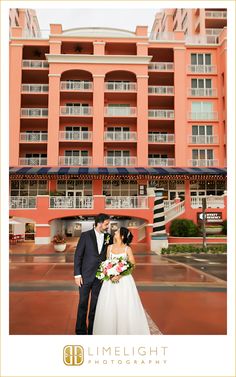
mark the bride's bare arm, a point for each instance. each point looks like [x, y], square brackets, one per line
[108, 251]
[130, 255]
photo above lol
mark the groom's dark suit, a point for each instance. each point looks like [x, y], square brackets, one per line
[86, 262]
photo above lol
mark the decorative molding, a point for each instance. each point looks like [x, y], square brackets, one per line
[41, 225]
[98, 76]
[57, 42]
[16, 44]
[142, 76]
[142, 43]
[98, 59]
[99, 43]
[54, 75]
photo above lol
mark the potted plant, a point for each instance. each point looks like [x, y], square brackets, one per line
[59, 243]
[214, 229]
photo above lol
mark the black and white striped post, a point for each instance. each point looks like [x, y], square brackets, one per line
[159, 237]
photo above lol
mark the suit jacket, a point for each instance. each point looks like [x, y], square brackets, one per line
[87, 257]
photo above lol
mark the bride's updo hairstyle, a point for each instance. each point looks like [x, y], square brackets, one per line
[126, 235]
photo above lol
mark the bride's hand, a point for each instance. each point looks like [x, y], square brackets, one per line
[116, 279]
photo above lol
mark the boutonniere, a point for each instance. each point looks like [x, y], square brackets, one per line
[107, 239]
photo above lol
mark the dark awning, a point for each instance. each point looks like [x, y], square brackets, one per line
[115, 171]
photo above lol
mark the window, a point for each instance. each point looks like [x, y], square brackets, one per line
[157, 155]
[76, 153]
[201, 59]
[29, 155]
[204, 130]
[202, 154]
[201, 83]
[29, 187]
[120, 188]
[118, 129]
[118, 153]
[202, 110]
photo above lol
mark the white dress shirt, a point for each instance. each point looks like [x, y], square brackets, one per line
[100, 240]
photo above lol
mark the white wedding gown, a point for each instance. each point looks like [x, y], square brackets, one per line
[119, 309]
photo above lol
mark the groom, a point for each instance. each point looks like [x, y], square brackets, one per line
[90, 252]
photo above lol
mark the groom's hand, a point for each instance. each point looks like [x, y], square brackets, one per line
[79, 281]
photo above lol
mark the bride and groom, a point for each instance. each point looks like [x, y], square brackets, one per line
[115, 309]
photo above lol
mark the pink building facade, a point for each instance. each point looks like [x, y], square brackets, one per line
[99, 117]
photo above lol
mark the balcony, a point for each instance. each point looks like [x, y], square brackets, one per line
[34, 88]
[33, 137]
[203, 163]
[161, 161]
[120, 161]
[58, 202]
[22, 202]
[77, 86]
[32, 161]
[203, 115]
[161, 114]
[126, 202]
[34, 112]
[203, 92]
[120, 136]
[75, 135]
[75, 160]
[76, 110]
[120, 111]
[202, 69]
[161, 66]
[159, 138]
[212, 201]
[36, 64]
[204, 139]
[201, 39]
[215, 14]
[161, 90]
[120, 87]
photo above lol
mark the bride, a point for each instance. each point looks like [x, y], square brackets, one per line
[119, 309]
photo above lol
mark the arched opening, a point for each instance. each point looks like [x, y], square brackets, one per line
[71, 227]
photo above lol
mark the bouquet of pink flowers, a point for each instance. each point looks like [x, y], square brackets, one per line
[114, 267]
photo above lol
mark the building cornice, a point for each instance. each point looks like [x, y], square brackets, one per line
[98, 59]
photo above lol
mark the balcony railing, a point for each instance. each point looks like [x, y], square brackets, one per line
[201, 39]
[75, 135]
[120, 161]
[75, 160]
[18, 202]
[33, 137]
[204, 163]
[69, 202]
[203, 139]
[202, 68]
[167, 90]
[32, 161]
[161, 114]
[80, 85]
[212, 201]
[159, 138]
[126, 202]
[161, 161]
[34, 112]
[120, 86]
[213, 115]
[120, 111]
[213, 31]
[165, 36]
[36, 34]
[160, 66]
[215, 14]
[202, 92]
[34, 88]
[35, 64]
[76, 110]
[120, 136]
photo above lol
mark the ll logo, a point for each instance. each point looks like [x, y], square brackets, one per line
[73, 355]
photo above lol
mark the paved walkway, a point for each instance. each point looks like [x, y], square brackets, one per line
[178, 298]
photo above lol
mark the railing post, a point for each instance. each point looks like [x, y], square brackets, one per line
[159, 236]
